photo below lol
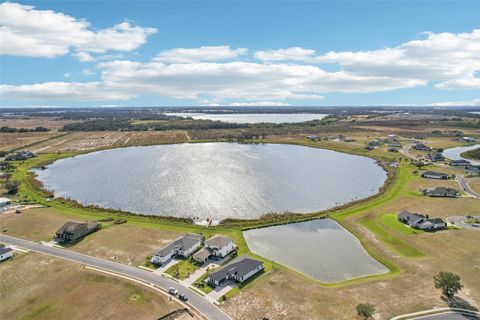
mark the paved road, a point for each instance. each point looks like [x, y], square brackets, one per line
[447, 316]
[462, 182]
[211, 311]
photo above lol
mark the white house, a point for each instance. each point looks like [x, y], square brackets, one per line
[183, 246]
[220, 246]
[5, 253]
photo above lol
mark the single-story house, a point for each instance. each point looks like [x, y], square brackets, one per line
[434, 157]
[469, 139]
[421, 146]
[395, 145]
[239, 270]
[436, 132]
[460, 163]
[473, 169]
[419, 221]
[435, 175]
[183, 246]
[392, 150]
[5, 253]
[22, 155]
[5, 202]
[369, 147]
[72, 231]
[313, 137]
[444, 192]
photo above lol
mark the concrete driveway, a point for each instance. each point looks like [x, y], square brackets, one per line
[458, 222]
[221, 290]
[165, 266]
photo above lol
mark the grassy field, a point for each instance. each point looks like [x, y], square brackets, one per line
[35, 286]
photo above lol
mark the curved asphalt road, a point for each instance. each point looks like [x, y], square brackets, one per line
[463, 183]
[201, 304]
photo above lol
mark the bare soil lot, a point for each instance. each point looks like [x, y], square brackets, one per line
[34, 286]
[51, 123]
[16, 140]
[88, 141]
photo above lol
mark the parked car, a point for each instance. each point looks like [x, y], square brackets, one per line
[173, 291]
[183, 297]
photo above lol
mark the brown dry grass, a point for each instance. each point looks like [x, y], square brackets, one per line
[475, 184]
[16, 140]
[35, 286]
[88, 141]
[51, 123]
[122, 243]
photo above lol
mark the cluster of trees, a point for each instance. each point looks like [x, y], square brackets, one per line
[12, 130]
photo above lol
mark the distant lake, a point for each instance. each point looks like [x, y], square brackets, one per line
[214, 180]
[454, 153]
[253, 117]
[321, 249]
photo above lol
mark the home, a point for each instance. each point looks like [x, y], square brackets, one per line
[443, 192]
[419, 221]
[183, 246]
[436, 132]
[422, 147]
[5, 202]
[5, 253]
[22, 155]
[460, 163]
[473, 170]
[435, 175]
[392, 150]
[313, 137]
[217, 247]
[239, 270]
[469, 139]
[72, 231]
[434, 157]
[395, 145]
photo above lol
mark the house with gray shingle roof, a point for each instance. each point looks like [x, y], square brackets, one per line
[72, 231]
[435, 175]
[239, 270]
[5, 253]
[419, 221]
[183, 246]
[442, 192]
[217, 247]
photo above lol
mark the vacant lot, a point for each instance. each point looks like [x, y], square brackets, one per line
[51, 123]
[17, 140]
[87, 141]
[122, 243]
[34, 286]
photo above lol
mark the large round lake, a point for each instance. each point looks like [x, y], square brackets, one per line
[321, 249]
[214, 180]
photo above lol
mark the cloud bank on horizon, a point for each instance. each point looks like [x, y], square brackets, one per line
[221, 74]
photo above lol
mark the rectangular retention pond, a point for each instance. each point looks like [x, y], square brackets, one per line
[321, 249]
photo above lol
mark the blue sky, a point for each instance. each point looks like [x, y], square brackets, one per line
[136, 53]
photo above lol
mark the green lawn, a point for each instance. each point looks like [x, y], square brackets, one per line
[182, 269]
[200, 284]
[390, 220]
[396, 244]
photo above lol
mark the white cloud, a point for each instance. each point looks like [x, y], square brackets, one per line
[26, 31]
[87, 72]
[189, 55]
[468, 103]
[83, 57]
[259, 104]
[450, 58]
[294, 53]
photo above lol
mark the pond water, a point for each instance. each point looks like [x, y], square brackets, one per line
[214, 180]
[254, 117]
[321, 249]
[454, 153]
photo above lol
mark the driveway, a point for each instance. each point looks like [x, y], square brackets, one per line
[203, 305]
[210, 264]
[458, 221]
[449, 315]
[221, 290]
[165, 266]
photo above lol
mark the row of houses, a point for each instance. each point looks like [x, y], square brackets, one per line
[215, 248]
[420, 221]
